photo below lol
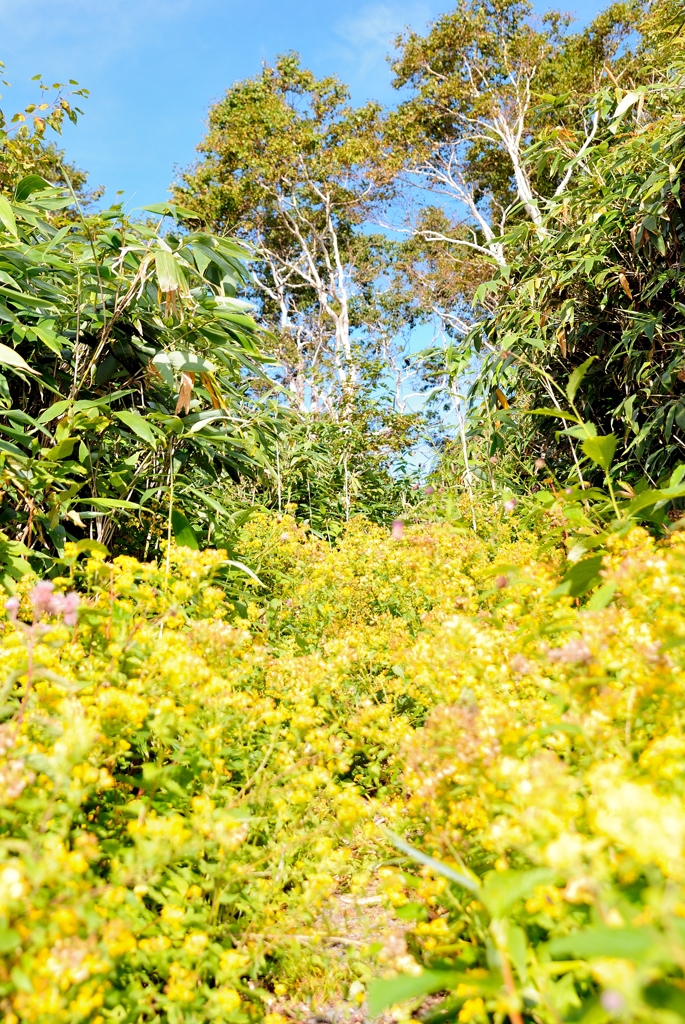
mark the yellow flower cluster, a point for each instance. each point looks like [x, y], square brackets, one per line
[550, 774]
[192, 782]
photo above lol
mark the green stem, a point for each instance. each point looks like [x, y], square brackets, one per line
[607, 477]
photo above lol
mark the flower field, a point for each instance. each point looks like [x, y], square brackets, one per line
[188, 793]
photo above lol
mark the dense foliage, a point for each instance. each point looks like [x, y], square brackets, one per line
[104, 331]
[602, 281]
[190, 800]
[288, 727]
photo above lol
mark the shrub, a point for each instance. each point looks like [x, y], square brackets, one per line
[187, 794]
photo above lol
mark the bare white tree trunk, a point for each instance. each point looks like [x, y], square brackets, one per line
[313, 262]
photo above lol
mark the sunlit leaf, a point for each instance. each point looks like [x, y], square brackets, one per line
[7, 216]
[8, 357]
[182, 530]
[138, 424]
[383, 993]
[576, 378]
[601, 450]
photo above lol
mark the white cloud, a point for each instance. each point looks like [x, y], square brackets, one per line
[368, 36]
[377, 24]
[103, 24]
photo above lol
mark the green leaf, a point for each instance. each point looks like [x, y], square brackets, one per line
[8, 357]
[168, 272]
[169, 210]
[49, 338]
[677, 475]
[164, 368]
[58, 409]
[17, 567]
[601, 449]
[585, 545]
[628, 101]
[664, 996]
[9, 940]
[245, 569]
[412, 912]
[502, 889]
[198, 425]
[576, 378]
[7, 315]
[622, 943]
[7, 217]
[31, 183]
[518, 949]
[54, 410]
[191, 362]
[183, 531]
[652, 496]
[384, 992]
[62, 450]
[581, 431]
[580, 578]
[139, 425]
[553, 412]
[11, 449]
[602, 597]
[210, 501]
[21, 980]
[104, 504]
[92, 546]
[107, 369]
[166, 362]
[22, 298]
[466, 881]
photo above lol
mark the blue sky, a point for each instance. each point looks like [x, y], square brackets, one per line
[154, 66]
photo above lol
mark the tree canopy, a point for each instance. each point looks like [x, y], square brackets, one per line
[290, 166]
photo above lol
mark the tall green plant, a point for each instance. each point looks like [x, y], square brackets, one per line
[126, 359]
[598, 286]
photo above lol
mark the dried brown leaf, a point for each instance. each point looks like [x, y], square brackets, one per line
[187, 382]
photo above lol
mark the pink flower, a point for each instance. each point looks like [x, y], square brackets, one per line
[612, 1001]
[510, 504]
[45, 601]
[574, 650]
[521, 665]
[12, 608]
[502, 582]
[397, 530]
[41, 596]
[430, 490]
[70, 608]
[539, 463]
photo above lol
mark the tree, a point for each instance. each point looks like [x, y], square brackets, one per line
[601, 289]
[477, 78]
[123, 353]
[288, 165]
[24, 149]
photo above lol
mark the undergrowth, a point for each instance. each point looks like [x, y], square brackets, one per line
[189, 789]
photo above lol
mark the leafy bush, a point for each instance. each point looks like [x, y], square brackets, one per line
[124, 352]
[551, 779]
[188, 793]
[599, 278]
